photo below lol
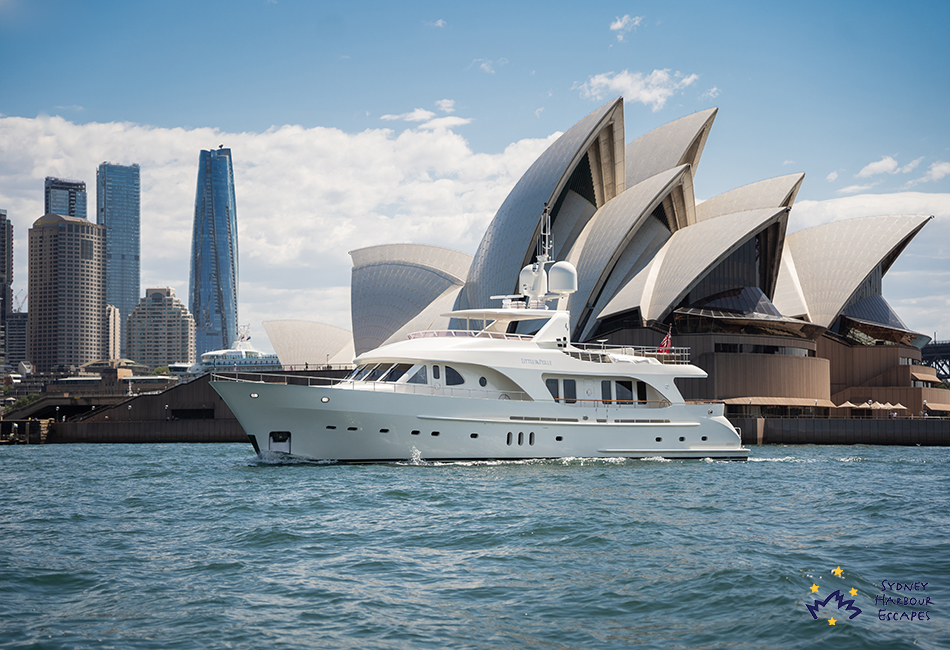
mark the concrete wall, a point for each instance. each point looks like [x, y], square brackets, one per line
[824, 431]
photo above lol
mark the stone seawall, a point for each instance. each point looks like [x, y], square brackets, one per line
[840, 431]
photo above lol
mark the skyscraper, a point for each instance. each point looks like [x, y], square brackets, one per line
[213, 299]
[6, 277]
[67, 292]
[65, 197]
[160, 331]
[118, 203]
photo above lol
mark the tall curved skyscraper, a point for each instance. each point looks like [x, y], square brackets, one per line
[213, 295]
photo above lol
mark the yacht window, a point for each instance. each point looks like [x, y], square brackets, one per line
[435, 372]
[452, 377]
[396, 372]
[624, 391]
[605, 391]
[641, 391]
[378, 371]
[354, 373]
[552, 387]
[570, 391]
[482, 382]
[420, 377]
[365, 370]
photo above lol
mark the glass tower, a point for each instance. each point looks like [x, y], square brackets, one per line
[213, 299]
[65, 197]
[118, 208]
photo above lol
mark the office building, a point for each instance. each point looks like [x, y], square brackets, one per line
[118, 208]
[65, 197]
[213, 282]
[6, 276]
[67, 293]
[160, 330]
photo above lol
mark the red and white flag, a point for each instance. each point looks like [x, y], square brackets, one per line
[666, 345]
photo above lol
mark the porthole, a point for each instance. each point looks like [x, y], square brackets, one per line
[330, 426]
[710, 411]
[414, 433]
[682, 439]
[509, 438]
[531, 438]
[435, 433]
[659, 439]
[473, 435]
[559, 438]
[520, 438]
[324, 399]
[384, 430]
[704, 438]
[351, 428]
[254, 395]
[482, 382]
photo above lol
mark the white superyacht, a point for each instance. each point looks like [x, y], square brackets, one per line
[482, 393]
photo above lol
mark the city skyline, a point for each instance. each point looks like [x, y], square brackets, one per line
[356, 138]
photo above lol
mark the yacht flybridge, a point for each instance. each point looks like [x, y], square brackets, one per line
[482, 392]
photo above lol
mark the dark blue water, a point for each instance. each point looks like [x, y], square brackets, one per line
[200, 546]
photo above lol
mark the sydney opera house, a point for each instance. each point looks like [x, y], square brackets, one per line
[784, 323]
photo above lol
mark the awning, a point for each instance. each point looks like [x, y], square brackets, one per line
[847, 405]
[924, 376]
[779, 401]
[937, 407]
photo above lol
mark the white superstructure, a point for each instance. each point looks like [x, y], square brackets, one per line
[480, 392]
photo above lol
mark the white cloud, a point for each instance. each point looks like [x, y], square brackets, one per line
[652, 90]
[911, 166]
[418, 115]
[447, 122]
[788, 162]
[438, 23]
[538, 112]
[938, 171]
[855, 189]
[488, 65]
[446, 105]
[305, 197]
[712, 93]
[885, 165]
[624, 25]
[832, 177]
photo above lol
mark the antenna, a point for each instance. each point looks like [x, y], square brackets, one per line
[544, 241]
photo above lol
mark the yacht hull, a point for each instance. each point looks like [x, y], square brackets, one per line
[351, 425]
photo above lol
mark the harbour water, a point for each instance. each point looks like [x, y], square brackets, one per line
[204, 546]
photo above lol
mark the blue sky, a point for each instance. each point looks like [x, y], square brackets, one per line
[373, 122]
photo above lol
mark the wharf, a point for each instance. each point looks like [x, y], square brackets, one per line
[922, 431]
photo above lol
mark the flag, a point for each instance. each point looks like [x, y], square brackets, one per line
[666, 345]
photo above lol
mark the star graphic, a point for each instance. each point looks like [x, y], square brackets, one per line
[814, 589]
[853, 592]
[838, 572]
[831, 621]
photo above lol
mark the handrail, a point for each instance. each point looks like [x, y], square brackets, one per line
[429, 334]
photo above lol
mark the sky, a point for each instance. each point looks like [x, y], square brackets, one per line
[363, 123]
